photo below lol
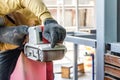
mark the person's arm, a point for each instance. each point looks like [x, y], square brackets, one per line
[13, 35]
[35, 6]
[53, 32]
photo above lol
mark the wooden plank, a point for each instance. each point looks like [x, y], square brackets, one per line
[108, 78]
[112, 70]
[112, 59]
[66, 70]
[81, 68]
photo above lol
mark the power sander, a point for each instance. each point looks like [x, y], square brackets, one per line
[39, 49]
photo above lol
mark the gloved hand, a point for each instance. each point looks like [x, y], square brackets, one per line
[53, 32]
[13, 35]
[2, 22]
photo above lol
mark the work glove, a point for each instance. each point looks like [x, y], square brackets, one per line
[13, 35]
[53, 32]
[2, 22]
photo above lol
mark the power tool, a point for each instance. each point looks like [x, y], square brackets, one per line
[37, 48]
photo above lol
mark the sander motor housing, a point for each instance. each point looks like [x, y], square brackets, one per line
[37, 49]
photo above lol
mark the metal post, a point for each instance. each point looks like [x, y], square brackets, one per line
[118, 20]
[100, 8]
[75, 73]
[106, 12]
[93, 77]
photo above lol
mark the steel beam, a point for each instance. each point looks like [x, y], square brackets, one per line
[106, 23]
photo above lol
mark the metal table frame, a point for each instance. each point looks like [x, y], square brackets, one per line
[77, 41]
[108, 25]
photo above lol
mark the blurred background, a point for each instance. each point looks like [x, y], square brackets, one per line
[74, 15]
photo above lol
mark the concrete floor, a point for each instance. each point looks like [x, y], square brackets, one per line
[86, 76]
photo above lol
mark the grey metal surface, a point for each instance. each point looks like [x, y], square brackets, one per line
[115, 47]
[106, 31]
[83, 40]
[82, 34]
[44, 52]
[100, 39]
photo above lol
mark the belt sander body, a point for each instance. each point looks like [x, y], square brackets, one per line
[37, 49]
